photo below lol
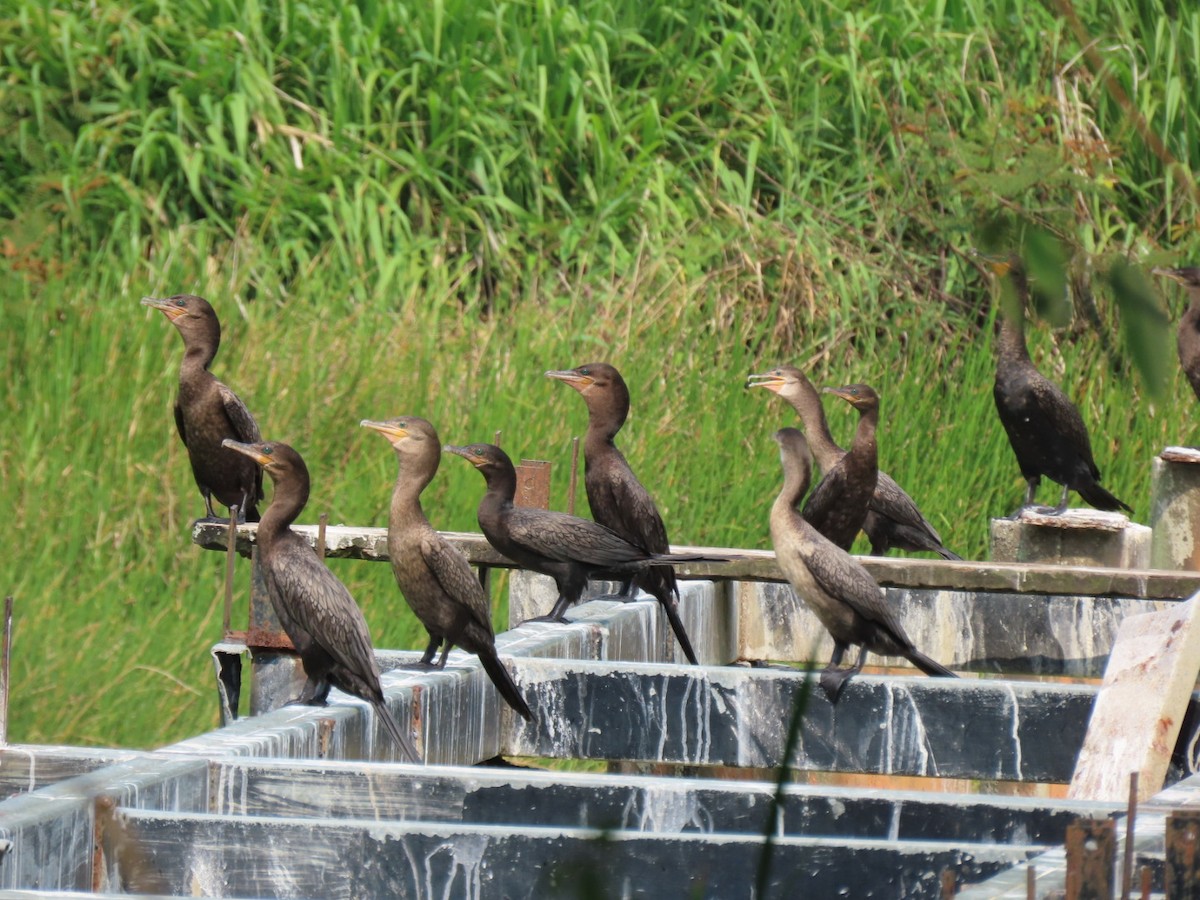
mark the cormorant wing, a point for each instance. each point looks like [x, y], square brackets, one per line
[622, 503]
[179, 423]
[824, 498]
[453, 573]
[321, 605]
[844, 579]
[565, 538]
[245, 429]
[892, 501]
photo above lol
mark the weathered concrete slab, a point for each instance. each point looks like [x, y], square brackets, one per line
[50, 829]
[530, 798]
[350, 859]
[1175, 509]
[28, 767]
[1077, 537]
[1138, 713]
[705, 608]
[1005, 633]
[1016, 731]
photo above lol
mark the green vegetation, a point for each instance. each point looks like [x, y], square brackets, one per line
[421, 207]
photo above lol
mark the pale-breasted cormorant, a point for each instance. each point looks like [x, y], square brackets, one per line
[842, 594]
[434, 577]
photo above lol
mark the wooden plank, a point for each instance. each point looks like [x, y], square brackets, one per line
[528, 798]
[369, 543]
[335, 859]
[1139, 711]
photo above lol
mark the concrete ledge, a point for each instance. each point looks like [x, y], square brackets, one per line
[1175, 509]
[1002, 632]
[1077, 537]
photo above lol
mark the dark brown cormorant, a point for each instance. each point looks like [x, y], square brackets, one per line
[1188, 338]
[836, 587]
[616, 497]
[315, 609]
[1044, 427]
[434, 577]
[567, 548]
[893, 519]
[207, 412]
[838, 505]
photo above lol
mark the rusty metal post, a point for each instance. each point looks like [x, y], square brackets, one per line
[1031, 883]
[1091, 853]
[230, 556]
[533, 484]
[5, 668]
[1130, 820]
[574, 475]
[322, 524]
[1183, 855]
[949, 883]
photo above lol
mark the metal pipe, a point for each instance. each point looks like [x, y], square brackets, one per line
[5, 662]
[574, 475]
[230, 553]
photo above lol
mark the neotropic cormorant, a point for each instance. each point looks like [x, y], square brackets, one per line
[567, 548]
[434, 577]
[207, 412]
[1044, 427]
[317, 612]
[1188, 338]
[841, 593]
[893, 519]
[838, 505]
[616, 497]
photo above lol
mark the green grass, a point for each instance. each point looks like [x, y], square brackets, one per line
[420, 210]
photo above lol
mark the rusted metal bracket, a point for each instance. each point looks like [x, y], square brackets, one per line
[1183, 855]
[5, 668]
[533, 484]
[1091, 852]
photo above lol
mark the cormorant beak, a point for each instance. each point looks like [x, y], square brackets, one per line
[573, 378]
[169, 309]
[390, 430]
[247, 450]
[768, 380]
[465, 453]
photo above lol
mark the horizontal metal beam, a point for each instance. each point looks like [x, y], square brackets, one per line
[524, 798]
[354, 542]
[258, 857]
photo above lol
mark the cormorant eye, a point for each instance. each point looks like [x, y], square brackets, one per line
[268, 450]
[584, 371]
[179, 301]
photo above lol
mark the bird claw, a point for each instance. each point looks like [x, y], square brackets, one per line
[560, 620]
[832, 682]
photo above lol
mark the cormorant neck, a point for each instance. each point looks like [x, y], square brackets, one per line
[200, 351]
[807, 403]
[289, 498]
[796, 479]
[1010, 340]
[415, 472]
[501, 483]
[864, 435]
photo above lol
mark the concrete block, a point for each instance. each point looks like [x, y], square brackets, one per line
[1077, 537]
[1139, 711]
[1175, 509]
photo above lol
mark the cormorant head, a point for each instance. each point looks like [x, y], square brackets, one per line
[411, 437]
[485, 457]
[193, 316]
[861, 396]
[278, 460]
[782, 380]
